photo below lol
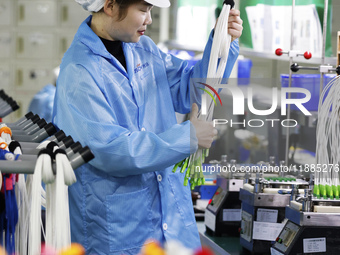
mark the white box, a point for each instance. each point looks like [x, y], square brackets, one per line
[6, 12]
[36, 45]
[72, 14]
[6, 42]
[31, 77]
[37, 13]
[5, 76]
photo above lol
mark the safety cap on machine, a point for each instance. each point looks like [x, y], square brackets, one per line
[14, 106]
[35, 118]
[76, 147]
[4, 96]
[60, 135]
[50, 129]
[68, 141]
[29, 115]
[86, 154]
[42, 123]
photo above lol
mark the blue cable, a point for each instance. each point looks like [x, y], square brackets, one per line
[9, 218]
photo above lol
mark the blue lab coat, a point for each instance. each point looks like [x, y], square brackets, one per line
[42, 102]
[128, 193]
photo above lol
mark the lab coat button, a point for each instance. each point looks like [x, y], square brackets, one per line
[159, 178]
[143, 129]
[165, 226]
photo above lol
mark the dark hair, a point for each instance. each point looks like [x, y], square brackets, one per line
[123, 6]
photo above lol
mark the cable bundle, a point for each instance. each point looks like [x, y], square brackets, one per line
[9, 217]
[64, 177]
[217, 64]
[21, 229]
[58, 233]
[44, 161]
[326, 181]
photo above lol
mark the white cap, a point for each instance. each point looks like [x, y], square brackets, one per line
[91, 5]
[159, 3]
[96, 5]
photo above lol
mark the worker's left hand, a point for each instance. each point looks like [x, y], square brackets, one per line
[234, 24]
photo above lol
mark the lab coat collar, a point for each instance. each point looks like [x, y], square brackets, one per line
[86, 35]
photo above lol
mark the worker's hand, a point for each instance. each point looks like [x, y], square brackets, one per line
[205, 131]
[234, 24]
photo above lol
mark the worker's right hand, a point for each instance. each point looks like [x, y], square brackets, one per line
[205, 131]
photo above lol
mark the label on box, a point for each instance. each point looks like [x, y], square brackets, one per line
[266, 215]
[311, 245]
[266, 231]
[275, 252]
[209, 219]
[232, 214]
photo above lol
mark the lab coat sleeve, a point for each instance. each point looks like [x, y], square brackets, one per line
[183, 80]
[82, 111]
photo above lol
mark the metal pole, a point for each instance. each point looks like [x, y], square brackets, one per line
[290, 79]
[324, 37]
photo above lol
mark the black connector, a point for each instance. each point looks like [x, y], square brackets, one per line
[47, 152]
[14, 106]
[230, 2]
[76, 147]
[60, 135]
[50, 129]
[68, 141]
[86, 154]
[13, 145]
[337, 70]
[41, 123]
[50, 146]
[35, 118]
[29, 115]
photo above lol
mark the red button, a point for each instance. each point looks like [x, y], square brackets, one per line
[278, 52]
[307, 55]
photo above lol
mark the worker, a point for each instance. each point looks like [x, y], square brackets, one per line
[42, 102]
[118, 93]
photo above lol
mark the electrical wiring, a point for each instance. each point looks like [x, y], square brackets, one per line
[217, 64]
[43, 161]
[49, 180]
[21, 229]
[326, 182]
[21, 221]
[64, 177]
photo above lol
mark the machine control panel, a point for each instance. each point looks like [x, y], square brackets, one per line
[246, 226]
[287, 235]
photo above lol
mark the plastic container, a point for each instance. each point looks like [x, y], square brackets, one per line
[311, 82]
[207, 191]
[243, 71]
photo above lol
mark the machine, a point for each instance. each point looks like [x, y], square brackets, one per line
[312, 227]
[264, 200]
[223, 213]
